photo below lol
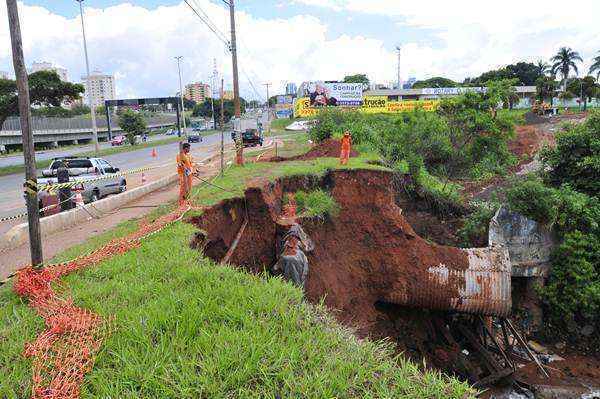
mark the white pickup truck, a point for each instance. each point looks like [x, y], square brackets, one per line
[85, 170]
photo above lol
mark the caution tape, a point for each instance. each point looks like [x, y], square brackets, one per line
[24, 214]
[52, 187]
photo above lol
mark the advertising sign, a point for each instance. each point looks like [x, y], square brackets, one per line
[284, 113]
[371, 104]
[285, 100]
[334, 94]
[452, 91]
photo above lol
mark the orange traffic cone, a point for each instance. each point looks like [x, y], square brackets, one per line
[78, 198]
[143, 178]
[154, 154]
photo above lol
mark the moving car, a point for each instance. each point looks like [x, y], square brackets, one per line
[251, 138]
[194, 138]
[84, 170]
[118, 140]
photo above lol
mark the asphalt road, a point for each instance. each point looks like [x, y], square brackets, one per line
[11, 191]
[42, 155]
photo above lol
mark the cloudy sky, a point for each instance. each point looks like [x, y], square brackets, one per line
[298, 40]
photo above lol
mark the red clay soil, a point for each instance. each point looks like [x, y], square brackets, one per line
[573, 371]
[528, 141]
[368, 254]
[328, 149]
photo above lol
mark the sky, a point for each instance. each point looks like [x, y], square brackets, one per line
[297, 40]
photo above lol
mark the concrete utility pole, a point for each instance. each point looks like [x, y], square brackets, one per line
[222, 130]
[88, 88]
[399, 49]
[268, 107]
[236, 84]
[33, 211]
[178, 58]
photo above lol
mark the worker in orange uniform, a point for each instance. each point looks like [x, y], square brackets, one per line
[346, 145]
[185, 169]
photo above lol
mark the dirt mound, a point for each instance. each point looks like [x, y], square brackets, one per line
[327, 149]
[531, 118]
[528, 141]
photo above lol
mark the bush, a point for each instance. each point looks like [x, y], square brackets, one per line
[533, 199]
[576, 158]
[475, 230]
[317, 203]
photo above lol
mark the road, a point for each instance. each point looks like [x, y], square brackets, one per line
[11, 192]
[42, 155]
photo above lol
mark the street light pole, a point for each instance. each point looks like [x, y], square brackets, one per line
[88, 88]
[33, 212]
[178, 58]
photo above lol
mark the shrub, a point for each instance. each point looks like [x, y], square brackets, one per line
[475, 230]
[576, 158]
[317, 203]
[533, 199]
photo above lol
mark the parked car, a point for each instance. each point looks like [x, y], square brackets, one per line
[118, 140]
[194, 138]
[84, 169]
[251, 138]
[170, 132]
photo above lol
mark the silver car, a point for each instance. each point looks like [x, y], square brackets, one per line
[95, 175]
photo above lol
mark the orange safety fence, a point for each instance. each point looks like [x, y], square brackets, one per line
[66, 350]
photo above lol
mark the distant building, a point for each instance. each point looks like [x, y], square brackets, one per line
[47, 66]
[197, 92]
[101, 87]
[4, 75]
[291, 89]
[228, 94]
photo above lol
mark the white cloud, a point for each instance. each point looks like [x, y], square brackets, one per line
[138, 45]
[478, 35]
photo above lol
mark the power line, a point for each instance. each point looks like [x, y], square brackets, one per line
[210, 25]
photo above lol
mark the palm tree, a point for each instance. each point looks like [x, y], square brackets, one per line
[564, 61]
[542, 67]
[596, 66]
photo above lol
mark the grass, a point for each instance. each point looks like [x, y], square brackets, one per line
[316, 204]
[9, 170]
[187, 328]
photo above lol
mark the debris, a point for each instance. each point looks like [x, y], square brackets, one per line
[588, 330]
[537, 347]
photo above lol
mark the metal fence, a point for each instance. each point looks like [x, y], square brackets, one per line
[79, 123]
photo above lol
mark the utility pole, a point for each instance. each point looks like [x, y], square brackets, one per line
[88, 88]
[399, 49]
[234, 61]
[222, 129]
[212, 97]
[268, 108]
[33, 211]
[178, 58]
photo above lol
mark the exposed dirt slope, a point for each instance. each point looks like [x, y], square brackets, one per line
[328, 149]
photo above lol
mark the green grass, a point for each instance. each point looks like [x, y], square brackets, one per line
[186, 328]
[316, 204]
[9, 170]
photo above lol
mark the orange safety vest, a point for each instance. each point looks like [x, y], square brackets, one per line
[184, 162]
[346, 142]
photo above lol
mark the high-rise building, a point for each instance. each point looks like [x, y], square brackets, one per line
[291, 89]
[4, 75]
[47, 66]
[101, 87]
[197, 92]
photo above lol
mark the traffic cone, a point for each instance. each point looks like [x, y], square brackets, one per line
[143, 178]
[78, 198]
[154, 154]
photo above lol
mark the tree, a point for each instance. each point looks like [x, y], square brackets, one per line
[437, 81]
[45, 90]
[272, 101]
[596, 66]
[542, 68]
[565, 61]
[585, 89]
[133, 124]
[254, 104]
[525, 73]
[358, 78]
[545, 88]
[188, 104]
[204, 109]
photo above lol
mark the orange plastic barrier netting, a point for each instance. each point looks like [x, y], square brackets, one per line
[66, 350]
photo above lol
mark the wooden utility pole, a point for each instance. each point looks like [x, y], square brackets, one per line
[33, 211]
[268, 109]
[222, 129]
[236, 84]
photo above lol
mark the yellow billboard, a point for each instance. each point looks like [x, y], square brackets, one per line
[371, 105]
